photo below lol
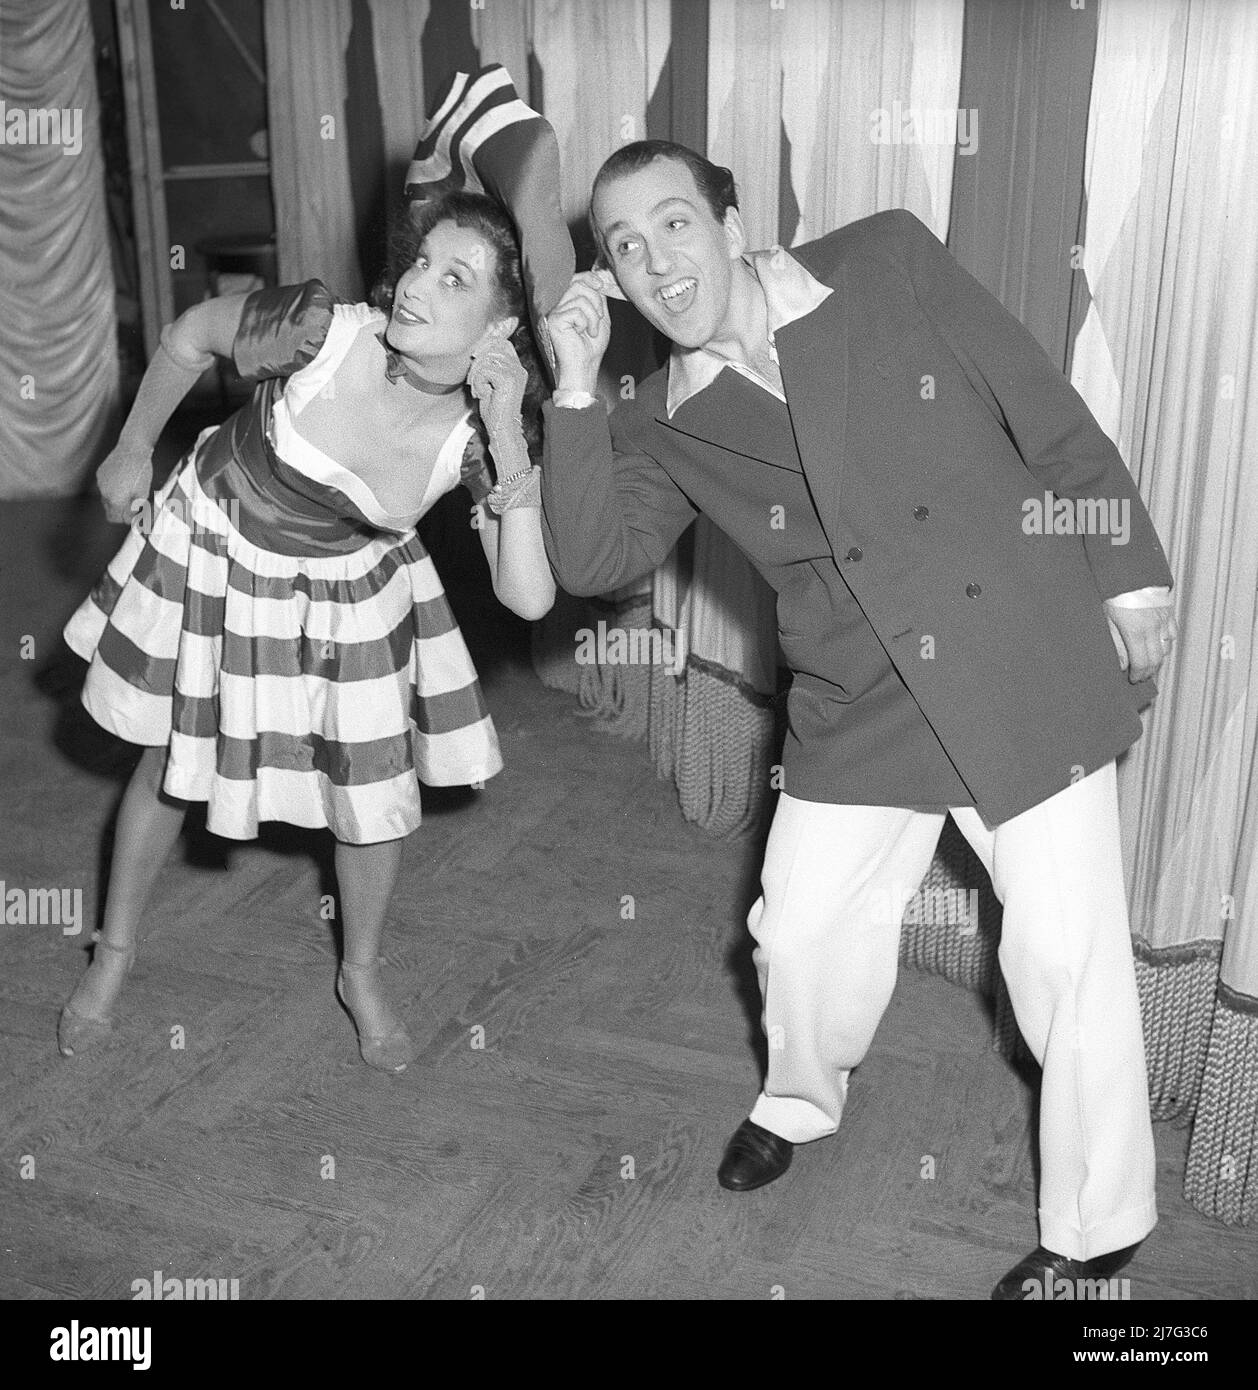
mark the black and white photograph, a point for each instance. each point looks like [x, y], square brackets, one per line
[629, 664]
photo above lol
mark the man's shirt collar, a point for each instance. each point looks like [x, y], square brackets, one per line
[790, 292]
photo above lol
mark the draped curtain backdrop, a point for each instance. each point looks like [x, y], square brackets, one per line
[58, 333]
[1098, 177]
[309, 138]
[796, 98]
[1172, 165]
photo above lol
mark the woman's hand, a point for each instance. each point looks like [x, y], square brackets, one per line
[126, 477]
[497, 379]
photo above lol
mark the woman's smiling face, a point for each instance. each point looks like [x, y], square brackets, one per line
[446, 304]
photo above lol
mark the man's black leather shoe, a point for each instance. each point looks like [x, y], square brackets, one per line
[753, 1157]
[1042, 1269]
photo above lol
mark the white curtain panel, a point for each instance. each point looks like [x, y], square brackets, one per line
[396, 31]
[599, 65]
[314, 205]
[58, 329]
[863, 95]
[1165, 359]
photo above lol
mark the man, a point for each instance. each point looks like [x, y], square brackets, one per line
[905, 467]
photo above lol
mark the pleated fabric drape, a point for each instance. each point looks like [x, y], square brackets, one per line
[1165, 358]
[809, 104]
[58, 329]
[854, 84]
[598, 68]
[1017, 192]
[397, 32]
[603, 76]
[306, 41]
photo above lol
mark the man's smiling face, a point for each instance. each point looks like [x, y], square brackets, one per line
[671, 257]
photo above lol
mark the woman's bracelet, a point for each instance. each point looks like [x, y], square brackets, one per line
[509, 451]
[522, 489]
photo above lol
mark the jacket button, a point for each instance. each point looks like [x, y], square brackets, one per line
[973, 590]
[921, 513]
[855, 553]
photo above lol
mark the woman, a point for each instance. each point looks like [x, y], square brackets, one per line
[280, 642]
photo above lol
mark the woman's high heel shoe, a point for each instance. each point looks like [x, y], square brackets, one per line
[81, 1032]
[389, 1051]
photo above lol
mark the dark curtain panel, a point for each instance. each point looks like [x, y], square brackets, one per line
[1026, 69]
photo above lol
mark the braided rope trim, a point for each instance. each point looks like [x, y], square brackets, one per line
[1201, 1045]
[1177, 1002]
[1221, 1176]
[731, 678]
[723, 744]
[1237, 1002]
[1179, 954]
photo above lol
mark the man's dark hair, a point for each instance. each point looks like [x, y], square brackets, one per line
[715, 182]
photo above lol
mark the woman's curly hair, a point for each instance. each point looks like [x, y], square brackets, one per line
[482, 215]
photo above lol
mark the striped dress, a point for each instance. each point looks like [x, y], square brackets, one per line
[287, 638]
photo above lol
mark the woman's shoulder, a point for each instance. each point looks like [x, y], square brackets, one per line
[349, 345]
[282, 328]
[357, 329]
[360, 315]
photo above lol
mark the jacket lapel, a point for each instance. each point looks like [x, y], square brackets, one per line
[736, 414]
[813, 356]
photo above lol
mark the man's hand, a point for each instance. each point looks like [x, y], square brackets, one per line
[1143, 637]
[126, 477]
[580, 330]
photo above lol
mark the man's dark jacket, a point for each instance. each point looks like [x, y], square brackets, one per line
[925, 417]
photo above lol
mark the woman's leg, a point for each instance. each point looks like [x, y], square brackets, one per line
[148, 826]
[366, 875]
[149, 823]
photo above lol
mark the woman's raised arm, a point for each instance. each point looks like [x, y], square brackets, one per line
[512, 540]
[188, 346]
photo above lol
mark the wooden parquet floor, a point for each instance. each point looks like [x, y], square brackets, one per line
[578, 1073]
